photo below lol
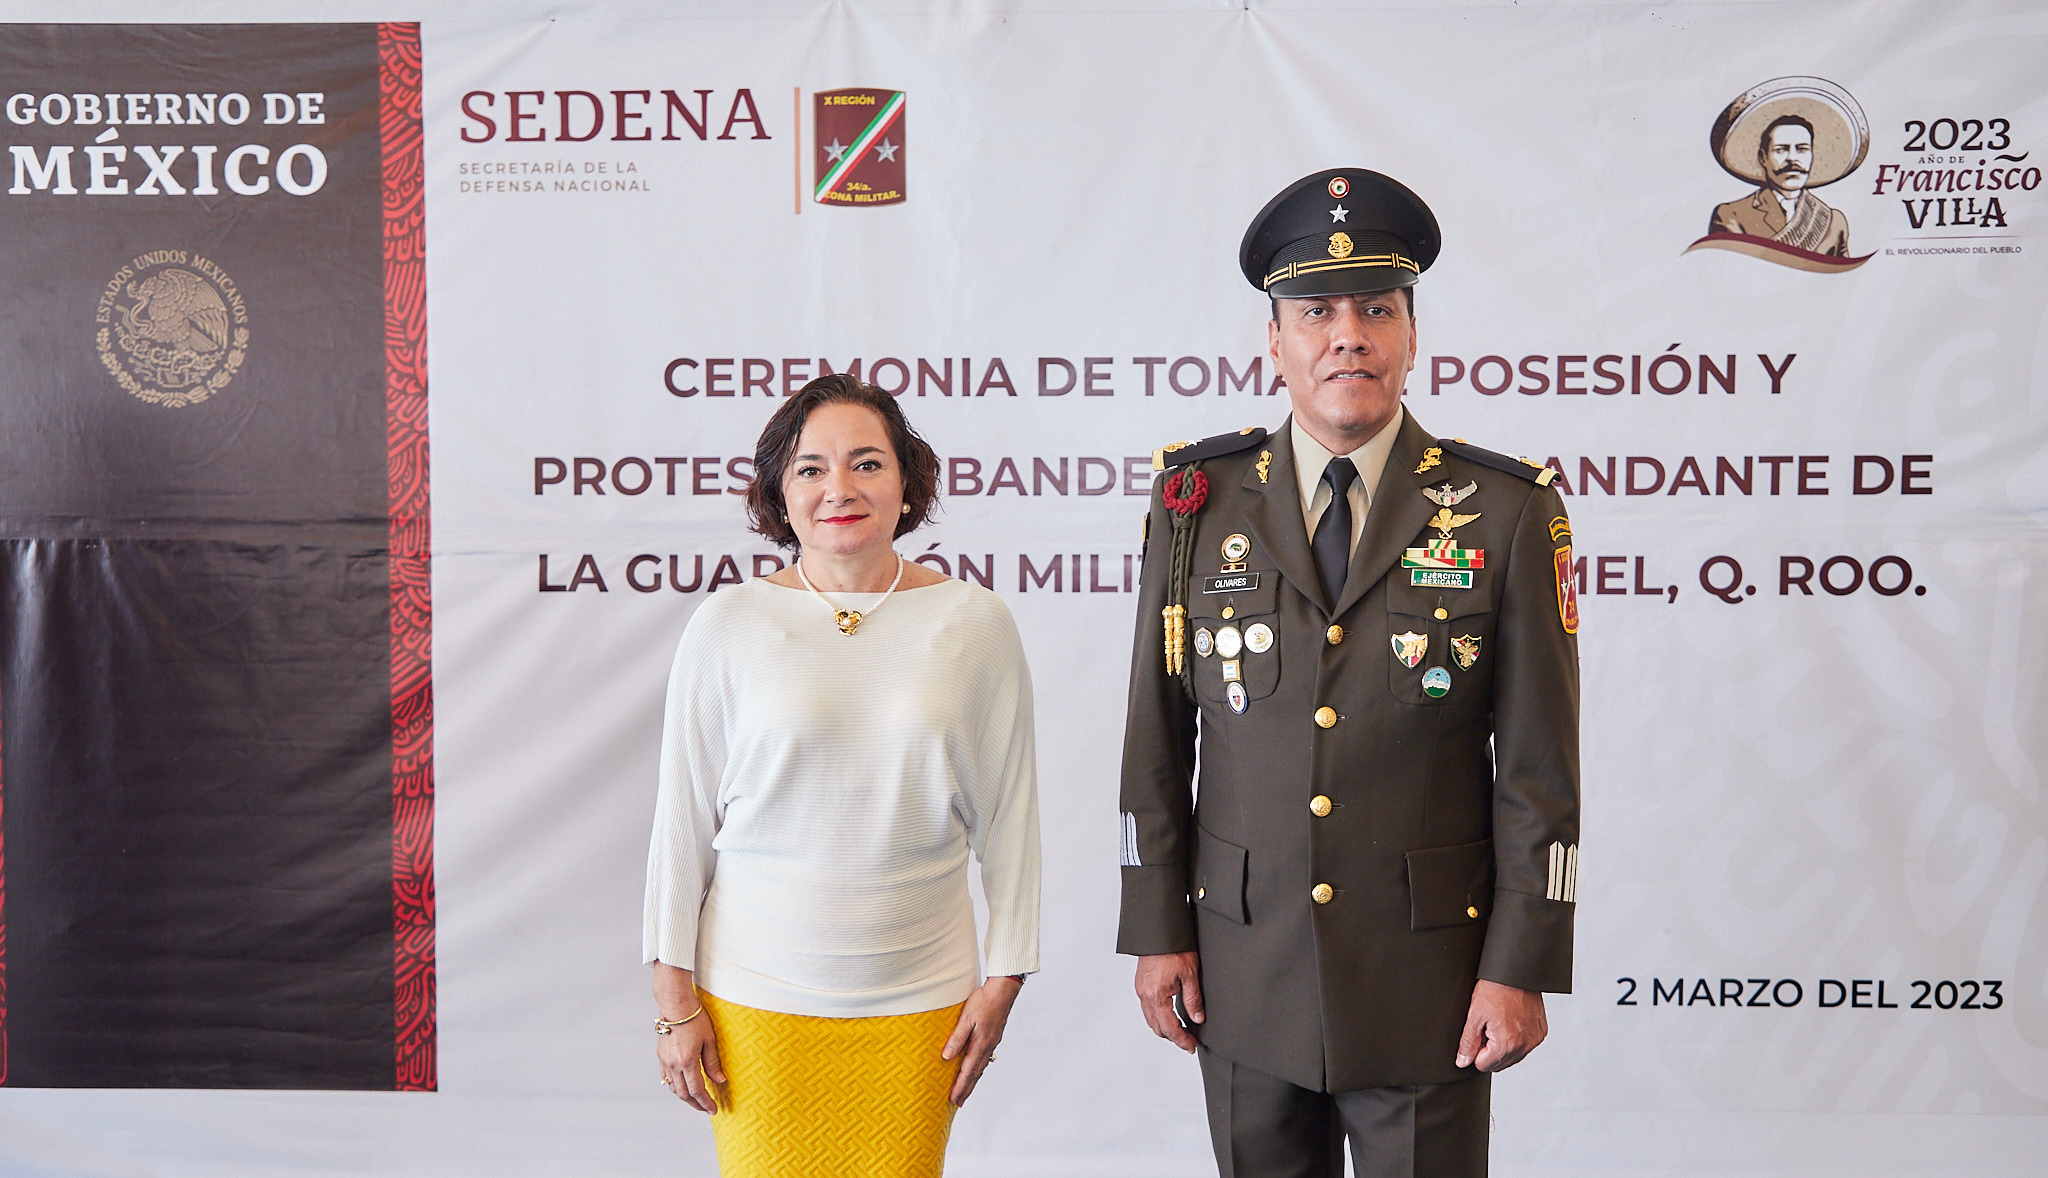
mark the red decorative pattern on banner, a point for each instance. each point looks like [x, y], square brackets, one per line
[3, 930]
[412, 681]
[1764, 249]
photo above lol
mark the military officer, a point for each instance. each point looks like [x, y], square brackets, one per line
[1370, 633]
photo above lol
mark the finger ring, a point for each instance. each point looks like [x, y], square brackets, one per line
[991, 1057]
[661, 1080]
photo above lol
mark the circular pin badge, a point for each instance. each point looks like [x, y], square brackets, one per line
[1436, 682]
[1205, 642]
[1239, 701]
[1258, 638]
[1236, 547]
[1339, 186]
[1229, 642]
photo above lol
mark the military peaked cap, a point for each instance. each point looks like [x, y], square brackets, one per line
[1343, 231]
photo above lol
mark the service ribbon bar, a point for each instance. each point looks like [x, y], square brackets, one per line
[1443, 556]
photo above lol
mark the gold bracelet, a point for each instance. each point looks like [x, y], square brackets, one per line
[664, 1026]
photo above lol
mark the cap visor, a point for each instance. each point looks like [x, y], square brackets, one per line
[1364, 280]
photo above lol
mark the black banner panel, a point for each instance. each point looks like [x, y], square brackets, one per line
[207, 660]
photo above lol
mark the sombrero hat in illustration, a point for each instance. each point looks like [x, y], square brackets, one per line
[1841, 135]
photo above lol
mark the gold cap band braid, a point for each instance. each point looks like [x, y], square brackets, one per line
[1375, 261]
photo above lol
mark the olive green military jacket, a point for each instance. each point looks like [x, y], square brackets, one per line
[1346, 877]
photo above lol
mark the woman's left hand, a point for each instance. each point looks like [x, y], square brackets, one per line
[980, 1028]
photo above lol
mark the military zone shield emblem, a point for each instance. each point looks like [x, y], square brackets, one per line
[859, 154]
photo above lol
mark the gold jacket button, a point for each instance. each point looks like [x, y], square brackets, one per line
[1319, 806]
[1335, 634]
[1201, 892]
[1323, 893]
[1442, 614]
[1473, 913]
[1229, 612]
[1326, 717]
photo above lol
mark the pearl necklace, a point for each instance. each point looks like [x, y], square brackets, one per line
[849, 620]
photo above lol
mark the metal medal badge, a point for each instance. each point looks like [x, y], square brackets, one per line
[1229, 642]
[1258, 638]
[1410, 647]
[1465, 649]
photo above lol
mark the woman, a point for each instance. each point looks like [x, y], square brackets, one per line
[837, 737]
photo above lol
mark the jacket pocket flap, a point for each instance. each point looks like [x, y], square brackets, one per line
[1243, 602]
[1421, 601]
[1450, 885]
[1219, 876]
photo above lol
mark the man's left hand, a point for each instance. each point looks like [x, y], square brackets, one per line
[1504, 1025]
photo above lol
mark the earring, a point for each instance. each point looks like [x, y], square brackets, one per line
[906, 509]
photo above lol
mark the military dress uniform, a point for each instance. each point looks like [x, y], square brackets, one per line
[1387, 807]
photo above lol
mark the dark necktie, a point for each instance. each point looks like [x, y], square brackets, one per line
[1332, 542]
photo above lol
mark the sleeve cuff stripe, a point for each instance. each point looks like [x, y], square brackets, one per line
[1563, 882]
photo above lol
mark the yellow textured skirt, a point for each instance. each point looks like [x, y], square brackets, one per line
[851, 1097]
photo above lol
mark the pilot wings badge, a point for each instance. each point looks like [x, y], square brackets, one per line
[1443, 521]
[1448, 496]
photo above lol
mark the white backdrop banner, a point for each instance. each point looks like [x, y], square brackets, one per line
[1808, 480]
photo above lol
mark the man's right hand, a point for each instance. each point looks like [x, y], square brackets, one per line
[1162, 978]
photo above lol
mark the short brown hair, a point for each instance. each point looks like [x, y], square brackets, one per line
[768, 515]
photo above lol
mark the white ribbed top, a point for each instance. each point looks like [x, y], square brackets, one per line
[819, 794]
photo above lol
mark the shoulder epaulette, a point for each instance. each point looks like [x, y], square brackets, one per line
[1181, 453]
[1526, 468]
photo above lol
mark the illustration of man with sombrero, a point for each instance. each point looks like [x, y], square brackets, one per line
[1788, 136]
